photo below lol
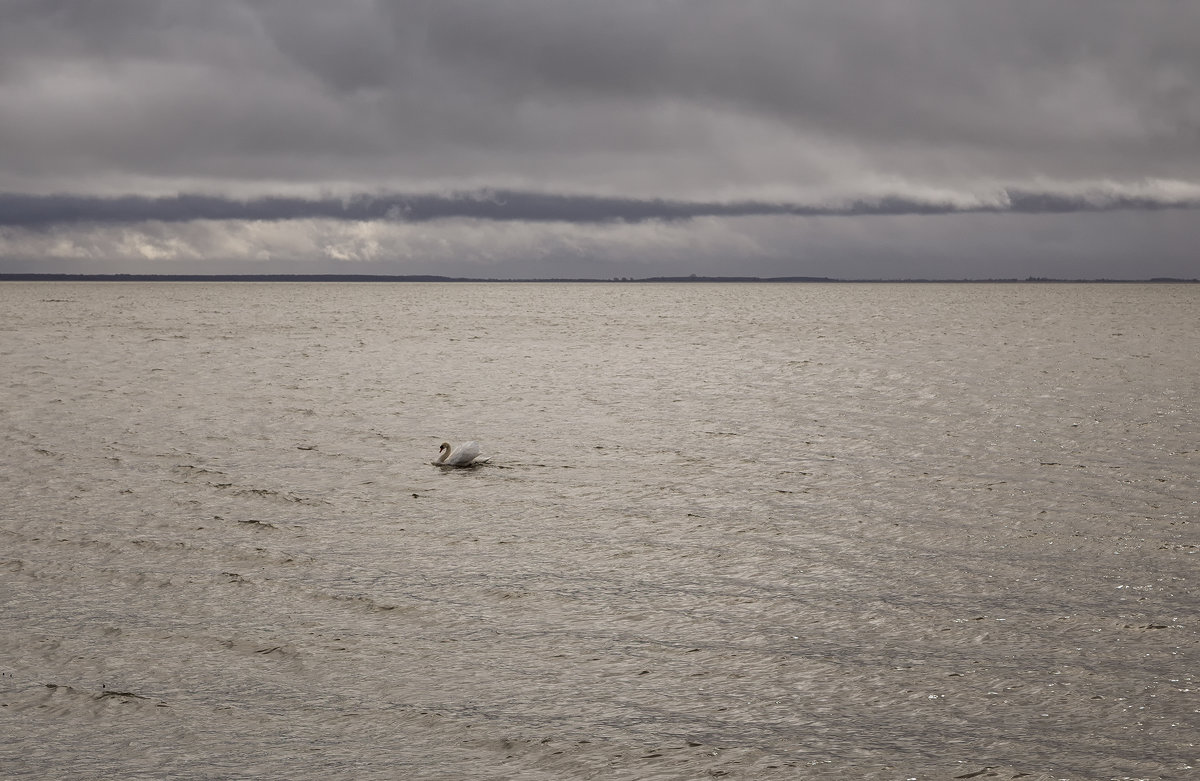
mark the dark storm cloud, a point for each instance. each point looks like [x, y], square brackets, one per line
[46, 211]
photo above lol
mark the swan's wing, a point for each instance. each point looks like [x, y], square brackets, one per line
[464, 454]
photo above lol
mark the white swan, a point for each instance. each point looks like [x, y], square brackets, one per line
[466, 454]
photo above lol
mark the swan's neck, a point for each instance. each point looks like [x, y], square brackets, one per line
[443, 453]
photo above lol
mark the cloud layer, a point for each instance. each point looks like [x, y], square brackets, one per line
[747, 121]
[39, 211]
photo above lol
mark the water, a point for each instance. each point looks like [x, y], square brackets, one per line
[761, 531]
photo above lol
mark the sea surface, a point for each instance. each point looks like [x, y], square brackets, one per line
[759, 531]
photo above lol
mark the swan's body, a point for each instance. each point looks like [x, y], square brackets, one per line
[466, 454]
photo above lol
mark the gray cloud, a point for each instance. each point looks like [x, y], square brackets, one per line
[296, 91]
[54, 210]
[563, 111]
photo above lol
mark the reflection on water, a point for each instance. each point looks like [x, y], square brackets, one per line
[772, 531]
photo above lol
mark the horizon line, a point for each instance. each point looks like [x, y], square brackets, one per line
[690, 278]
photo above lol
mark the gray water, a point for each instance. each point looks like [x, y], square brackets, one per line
[754, 531]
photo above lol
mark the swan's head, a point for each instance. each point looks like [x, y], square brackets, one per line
[443, 451]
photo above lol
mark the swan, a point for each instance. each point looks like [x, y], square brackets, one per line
[466, 454]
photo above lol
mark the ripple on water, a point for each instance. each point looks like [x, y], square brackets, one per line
[774, 531]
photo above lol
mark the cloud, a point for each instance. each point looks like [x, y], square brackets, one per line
[664, 99]
[974, 245]
[559, 113]
[34, 211]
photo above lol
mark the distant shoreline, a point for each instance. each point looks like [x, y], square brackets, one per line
[31, 277]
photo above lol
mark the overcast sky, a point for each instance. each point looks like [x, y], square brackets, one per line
[576, 138]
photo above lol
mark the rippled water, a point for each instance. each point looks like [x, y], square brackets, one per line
[762, 531]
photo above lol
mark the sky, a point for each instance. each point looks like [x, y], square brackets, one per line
[937, 139]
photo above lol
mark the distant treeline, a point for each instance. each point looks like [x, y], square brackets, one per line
[19, 277]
